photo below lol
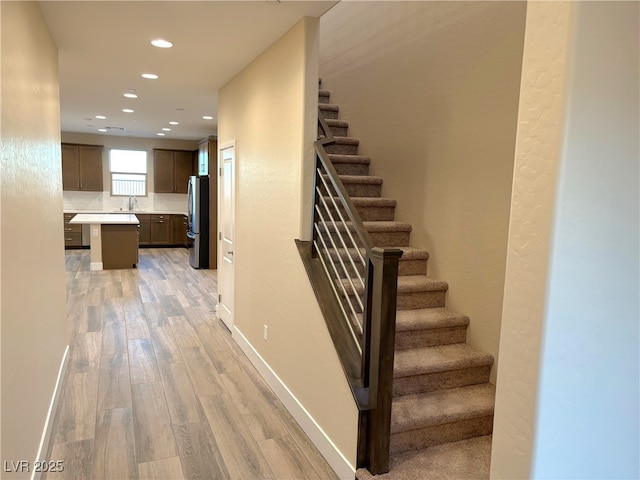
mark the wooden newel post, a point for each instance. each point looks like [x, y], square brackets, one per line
[375, 423]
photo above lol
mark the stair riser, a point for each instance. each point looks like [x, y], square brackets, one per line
[430, 337]
[335, 130]
[342, 148]
[412, 267]
[404, 268]
[408, 301]
[412, 300]
[354, 189]
[329, 113]
[323, 98]
[390, 239]
[441, 380]
[370, 213]
[439, 434]
[352, 168]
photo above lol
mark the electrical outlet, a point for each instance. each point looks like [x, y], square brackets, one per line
[265, 333]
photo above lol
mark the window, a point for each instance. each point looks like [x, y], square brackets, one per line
[128, 172]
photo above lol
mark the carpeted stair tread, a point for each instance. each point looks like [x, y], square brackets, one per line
[419, 283]
[374, 227]
[344, 158]
[334, 122]
[364, 179]
[373, 202]
[323, 96]
[411, 412]
[342, 140]
[330, 107]
[408, 253]
[441, 358]
[429, 318]
[387, 227]
[466, 459]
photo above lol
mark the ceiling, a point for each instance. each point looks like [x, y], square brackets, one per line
[104, 47]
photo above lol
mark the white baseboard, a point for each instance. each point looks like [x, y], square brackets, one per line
[47, 431]
[318, 437]
[95, 266]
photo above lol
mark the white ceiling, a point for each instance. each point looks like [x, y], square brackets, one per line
[104, 47]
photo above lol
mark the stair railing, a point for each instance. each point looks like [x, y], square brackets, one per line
[364, 282]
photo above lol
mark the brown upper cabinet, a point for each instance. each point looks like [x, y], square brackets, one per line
[82, 167]
[172, 169]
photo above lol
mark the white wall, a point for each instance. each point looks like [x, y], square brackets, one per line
[538, 152]
[270, 111]
[567, 390]
[431, 91]
[588, 423]
[33, 316]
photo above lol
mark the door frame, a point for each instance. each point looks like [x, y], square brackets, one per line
[224, 146]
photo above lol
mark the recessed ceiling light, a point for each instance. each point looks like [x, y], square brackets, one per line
[165, 129]
[160, 134]
[127, 110]
[131, 94]
[102, 129]
[101, 117]
[150, 76]
[161, 43]
[173, 123]
[207, 117]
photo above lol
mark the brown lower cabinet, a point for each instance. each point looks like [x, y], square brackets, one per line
[162, 230]
[72, 233]
[119, 246]
[179, 230]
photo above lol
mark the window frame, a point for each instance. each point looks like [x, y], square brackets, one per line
[145, 174]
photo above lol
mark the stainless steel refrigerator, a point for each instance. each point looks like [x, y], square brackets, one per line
[198, 221]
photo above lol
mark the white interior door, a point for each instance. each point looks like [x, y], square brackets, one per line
[226, 236]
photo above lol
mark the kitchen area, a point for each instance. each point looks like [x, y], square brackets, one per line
[174, 205]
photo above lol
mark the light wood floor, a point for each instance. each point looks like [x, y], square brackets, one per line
[157, 389]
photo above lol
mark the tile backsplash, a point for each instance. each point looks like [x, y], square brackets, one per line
[104, 202]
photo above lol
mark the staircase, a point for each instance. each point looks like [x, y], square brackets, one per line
[443, 403]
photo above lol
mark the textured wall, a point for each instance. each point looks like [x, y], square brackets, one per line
[33, 318]
[431, 91]
[265, 110]
[587, 422]
[538, 152]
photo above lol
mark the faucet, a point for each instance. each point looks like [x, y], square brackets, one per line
[133, 201]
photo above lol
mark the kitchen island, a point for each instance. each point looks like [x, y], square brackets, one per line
[113, 239]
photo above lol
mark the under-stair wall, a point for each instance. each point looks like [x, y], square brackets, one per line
[261, 111]
[442, 80]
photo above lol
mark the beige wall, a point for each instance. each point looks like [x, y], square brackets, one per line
[568, 393]
[265, 111]
[127, 143]
[33, 323]
[538, 152]
[431, 91]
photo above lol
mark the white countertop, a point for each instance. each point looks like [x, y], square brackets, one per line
[106, 218]
[140, 212]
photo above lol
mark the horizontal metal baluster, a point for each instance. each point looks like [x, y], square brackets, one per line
[344, 290]
[355, 268]
[355, 245]
[321, 176]
[355, 292]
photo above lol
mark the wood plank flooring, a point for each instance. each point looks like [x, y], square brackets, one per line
[157, 389]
